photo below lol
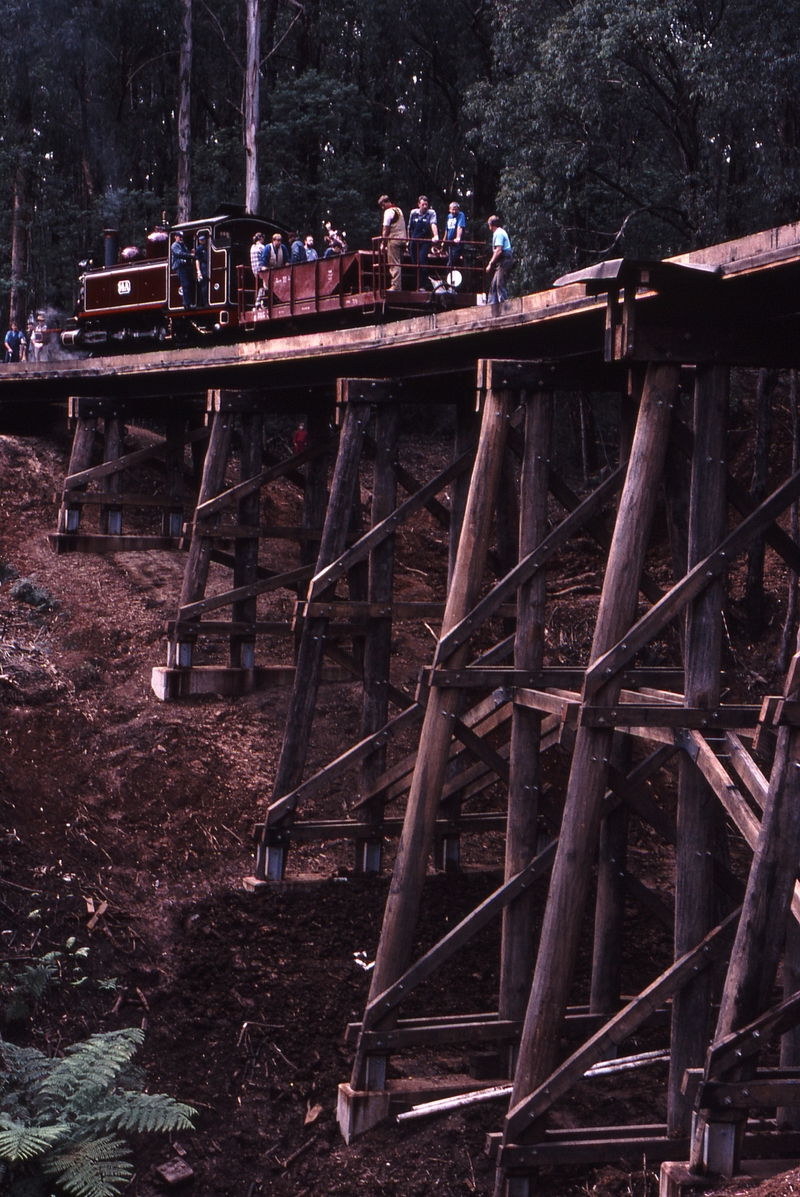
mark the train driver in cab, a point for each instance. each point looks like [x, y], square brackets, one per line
[180, 260]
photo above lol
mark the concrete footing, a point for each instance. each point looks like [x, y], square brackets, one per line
[357, 1112]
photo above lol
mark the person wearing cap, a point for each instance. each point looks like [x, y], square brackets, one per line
[393, 240]
[201, 265]
[500, 263]
[180, 260]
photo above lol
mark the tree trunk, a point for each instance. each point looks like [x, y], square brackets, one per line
[754, 590]
[789, 636]
[185, 117]
[21, 137]
[251, 105]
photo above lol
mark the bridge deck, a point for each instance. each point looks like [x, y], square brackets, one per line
[737, 303]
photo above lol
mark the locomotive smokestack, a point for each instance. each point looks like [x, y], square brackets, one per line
[112, 246]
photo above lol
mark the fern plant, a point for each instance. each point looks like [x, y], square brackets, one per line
[62, 1121]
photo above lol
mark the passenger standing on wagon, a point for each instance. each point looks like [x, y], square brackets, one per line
[423, 231]
[299, 254]
[181, 263]
[500, 263]
[257, 254]
[393, 240]
[454, 230]
[276, 253]
[311, 253]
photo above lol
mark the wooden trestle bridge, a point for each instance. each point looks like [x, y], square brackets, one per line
[644, 330]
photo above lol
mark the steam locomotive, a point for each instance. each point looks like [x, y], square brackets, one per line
[136, 299]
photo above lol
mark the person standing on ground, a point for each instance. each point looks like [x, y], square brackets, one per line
[393, 240]
[180, 258]
[423, 232]
[13, 343]
[500, 263]
[300, 439]
[37, 337]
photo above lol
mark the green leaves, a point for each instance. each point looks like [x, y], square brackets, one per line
[140, 1113]
[56, 1116]
[93, 1169]
[19, 1144]
[640, 128]
[90, 1068]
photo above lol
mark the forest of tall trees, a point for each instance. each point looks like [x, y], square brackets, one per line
[595, 127]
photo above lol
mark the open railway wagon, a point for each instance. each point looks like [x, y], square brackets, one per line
[494, 706]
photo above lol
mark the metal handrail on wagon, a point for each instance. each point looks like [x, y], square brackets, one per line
[449, 266]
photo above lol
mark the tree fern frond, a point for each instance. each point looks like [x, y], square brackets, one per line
[19, 1143]
[94, 1169]
[22, 1065]
[35, 978]
[93, 1065]
[142, 1112]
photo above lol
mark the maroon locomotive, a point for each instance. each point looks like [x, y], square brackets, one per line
[136, 298]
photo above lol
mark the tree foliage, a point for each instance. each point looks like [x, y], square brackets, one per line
[60, 1119]
[625, 126]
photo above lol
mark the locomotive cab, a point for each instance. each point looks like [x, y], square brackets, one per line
[137, 297]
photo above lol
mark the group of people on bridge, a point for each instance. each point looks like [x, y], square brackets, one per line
[422, 234]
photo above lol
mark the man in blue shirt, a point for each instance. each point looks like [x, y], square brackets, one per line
[454, 231]
[180, 260]
[276, 254]
[13, 342]
[500, 262]
[422, 232]
[299, 254]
